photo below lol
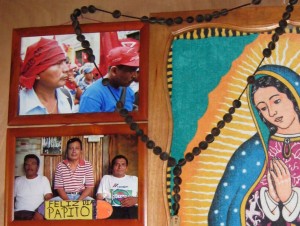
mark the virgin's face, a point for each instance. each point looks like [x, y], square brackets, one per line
[54, 76]
[275, 107]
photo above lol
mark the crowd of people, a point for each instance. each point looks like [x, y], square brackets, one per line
[74, 180]
[50, 84]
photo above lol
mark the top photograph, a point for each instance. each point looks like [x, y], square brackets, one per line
[54, 79]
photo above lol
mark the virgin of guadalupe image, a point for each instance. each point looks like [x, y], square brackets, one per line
[261, 182]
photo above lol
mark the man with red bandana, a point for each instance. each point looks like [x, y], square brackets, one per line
[42, 74]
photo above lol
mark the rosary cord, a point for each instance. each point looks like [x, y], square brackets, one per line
[227, 118]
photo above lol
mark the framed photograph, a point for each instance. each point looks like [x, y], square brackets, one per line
[51, 146]
[53, 80]
[99, 145]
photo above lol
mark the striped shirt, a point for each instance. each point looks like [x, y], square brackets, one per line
[75, 181]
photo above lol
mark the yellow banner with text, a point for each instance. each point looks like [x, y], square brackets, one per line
[69, 210]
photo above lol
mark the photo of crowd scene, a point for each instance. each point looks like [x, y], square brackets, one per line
[57, 78]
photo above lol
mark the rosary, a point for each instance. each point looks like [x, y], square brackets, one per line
[227, 118]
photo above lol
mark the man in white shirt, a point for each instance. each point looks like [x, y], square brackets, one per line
[120, 190]
[30, 190]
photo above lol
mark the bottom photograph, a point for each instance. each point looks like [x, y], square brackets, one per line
[66, 175]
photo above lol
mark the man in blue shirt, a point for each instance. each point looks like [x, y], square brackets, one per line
[123, 63]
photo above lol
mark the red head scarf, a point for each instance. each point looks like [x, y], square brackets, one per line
[40, 56]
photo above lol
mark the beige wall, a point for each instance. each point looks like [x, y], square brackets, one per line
[32, 13]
